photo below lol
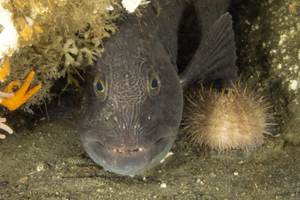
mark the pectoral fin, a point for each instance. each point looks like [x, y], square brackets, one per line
[215, 56]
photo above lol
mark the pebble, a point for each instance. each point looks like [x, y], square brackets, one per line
[212, 175]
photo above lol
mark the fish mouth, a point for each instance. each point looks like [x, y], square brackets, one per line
[131, 152]
[129, 161]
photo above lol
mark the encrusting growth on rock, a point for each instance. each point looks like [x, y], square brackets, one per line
[4, 70]
[42, 37]
[232, 119]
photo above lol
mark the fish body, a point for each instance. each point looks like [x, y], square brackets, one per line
[129, 106]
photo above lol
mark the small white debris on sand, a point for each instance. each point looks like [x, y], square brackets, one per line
[168, 154]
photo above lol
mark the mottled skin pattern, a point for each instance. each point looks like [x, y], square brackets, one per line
[128, 126]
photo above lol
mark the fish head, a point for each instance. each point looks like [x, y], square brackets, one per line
[129, 107]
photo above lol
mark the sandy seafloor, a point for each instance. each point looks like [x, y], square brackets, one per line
[46, 160]
[191, 173]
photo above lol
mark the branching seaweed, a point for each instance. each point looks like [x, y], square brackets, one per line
[73, 31]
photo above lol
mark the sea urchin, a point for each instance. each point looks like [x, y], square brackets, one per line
[231, 119]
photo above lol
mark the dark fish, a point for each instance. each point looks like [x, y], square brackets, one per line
[129, 107]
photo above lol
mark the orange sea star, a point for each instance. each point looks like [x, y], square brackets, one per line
[20, 96]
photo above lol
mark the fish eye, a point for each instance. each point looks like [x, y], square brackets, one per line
[99, 88]
[154, 84]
